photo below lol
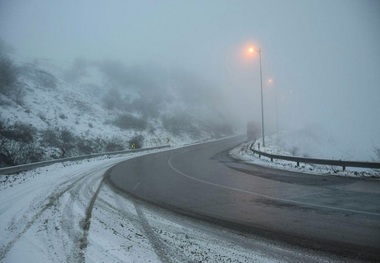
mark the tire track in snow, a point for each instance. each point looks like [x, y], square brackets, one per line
[86, 197]
[163, 252]
[79, 196]
[158, 246]
[86, 222]
[17, 230]
[53, 198]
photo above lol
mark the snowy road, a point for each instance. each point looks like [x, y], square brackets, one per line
[68, 213]
[43, 212]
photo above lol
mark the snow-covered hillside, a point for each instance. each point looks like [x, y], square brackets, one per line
[58, 109]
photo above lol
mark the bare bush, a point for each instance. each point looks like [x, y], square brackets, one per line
[16, 152]
[85, 147]
[50, 137]
[19, 132]
[114, 145]
[68, 141]
[29, 153]
[136, 142]
[62, 116]
[98, 144]
[5, 160]
[18, 144]
[63, 139]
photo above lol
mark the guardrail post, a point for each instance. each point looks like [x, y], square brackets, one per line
[271, 159]
[344, 168]
[298, 164]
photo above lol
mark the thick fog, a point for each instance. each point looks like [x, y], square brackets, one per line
[320, 59]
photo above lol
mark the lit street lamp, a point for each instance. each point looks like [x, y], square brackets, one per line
[251, 50]
[270, 81]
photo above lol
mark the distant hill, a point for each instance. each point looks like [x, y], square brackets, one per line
[53, 109]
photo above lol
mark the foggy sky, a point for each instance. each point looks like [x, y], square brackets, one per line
[323, 55]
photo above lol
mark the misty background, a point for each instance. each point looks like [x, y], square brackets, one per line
[185, 60]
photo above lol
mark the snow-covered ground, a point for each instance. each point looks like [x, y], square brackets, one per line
[66, 213]
[55, 111]
[52, 103]
[274, 145]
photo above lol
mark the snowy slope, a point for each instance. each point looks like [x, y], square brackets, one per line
[96, 111]
[60, 104]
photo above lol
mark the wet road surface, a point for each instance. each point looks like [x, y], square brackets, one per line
[332, 214]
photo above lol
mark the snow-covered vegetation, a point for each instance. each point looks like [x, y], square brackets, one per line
[54, 109]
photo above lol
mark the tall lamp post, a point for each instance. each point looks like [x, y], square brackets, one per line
[270, 81]
[251, 50]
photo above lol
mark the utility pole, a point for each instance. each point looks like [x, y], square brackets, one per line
[262, 100]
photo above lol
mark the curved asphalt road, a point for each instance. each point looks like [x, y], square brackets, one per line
[332, 214]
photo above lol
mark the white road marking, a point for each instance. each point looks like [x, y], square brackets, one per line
[267, 196]
[136, 186]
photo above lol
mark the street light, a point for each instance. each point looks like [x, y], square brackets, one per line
[270, 82]
[251, 50]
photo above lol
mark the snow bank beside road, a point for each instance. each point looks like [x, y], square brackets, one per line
[243, 152]
[41, 210]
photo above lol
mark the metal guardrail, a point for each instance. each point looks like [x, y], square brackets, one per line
[299, 160]
[30, 166]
